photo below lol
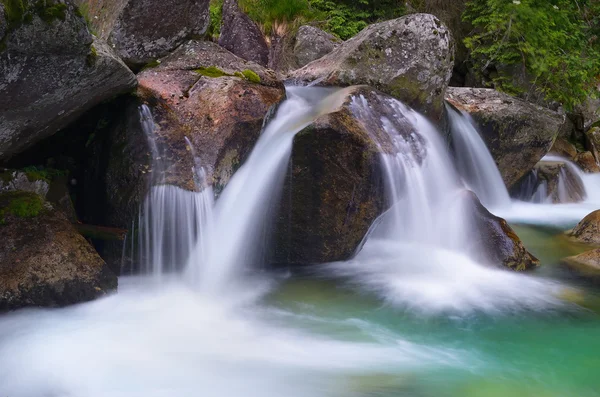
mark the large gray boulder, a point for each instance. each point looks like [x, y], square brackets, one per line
[51, 71]
[313, 43]
[410, 58]
[241, 35]
[517, 133]
[141, 31]
[43, 260]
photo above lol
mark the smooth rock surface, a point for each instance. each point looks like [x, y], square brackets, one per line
[517, 133]
[588, 230]
[587, 162]
[564, 148]
[50, 73]
[241, 35]
[410, 58]
[142, 31]
[585, 266]
[43, 260]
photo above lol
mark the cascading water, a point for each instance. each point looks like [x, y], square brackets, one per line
[421, 254]
[474, 161]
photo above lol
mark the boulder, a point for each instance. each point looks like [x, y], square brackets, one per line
[517, 133]
[216, 100]
[500, 243]
[587, 162]
[313, 43]
[588, 230]
[43, 260]
[51, 71]
[564, 148]
[561, 183]
[410, 58]
[333, 189]
[241, 35]
[142, 31]
[592, 138]
[585, 266]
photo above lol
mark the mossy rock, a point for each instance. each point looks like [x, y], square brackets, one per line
[20, 204]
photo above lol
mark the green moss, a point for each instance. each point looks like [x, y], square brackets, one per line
[91, 57]
[251, 76]
[20, 204]
[151, 64]
[211, 71]
[49, 10]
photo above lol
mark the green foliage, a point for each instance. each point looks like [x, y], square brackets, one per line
[14, 10]
[273, 14]
[49, 10]
[216, 13]
[34, 173]
[556, 41]
[20, 204]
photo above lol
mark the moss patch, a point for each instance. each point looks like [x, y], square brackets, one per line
[214, 72]
[20, 204]
[91, 57]
[49, 10]
[251, 76]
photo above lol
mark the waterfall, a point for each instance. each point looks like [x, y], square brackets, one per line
[474, 161]
[241, 212]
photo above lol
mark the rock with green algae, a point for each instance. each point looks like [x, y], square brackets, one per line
[47, 77]
[410, 58]
[43, 260]
[141, 31]
[517, 133]
[334, 188]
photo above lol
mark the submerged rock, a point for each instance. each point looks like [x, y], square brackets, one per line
[588, 230]
[500, 243]
[51, 71]
[241, 35]
[142, 31]
[333, 190]
[517, 133]
[216, 100]
[585, 266]
[410, 58]
[43, 260]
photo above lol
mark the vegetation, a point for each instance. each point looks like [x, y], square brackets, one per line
[20, 204]
[213, 71]
[215, 11]
[555, 41]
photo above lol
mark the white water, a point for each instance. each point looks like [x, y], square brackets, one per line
[420, 254]
[475, 163]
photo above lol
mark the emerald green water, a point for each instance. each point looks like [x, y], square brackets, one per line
[552, 352]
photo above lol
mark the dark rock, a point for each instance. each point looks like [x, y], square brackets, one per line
[50, 73]
[517, 133]
[241, 35]
[142, 31]
[562, 184]
[588, 230]
[313, 43]
[43, 260]
[409, 58]
[14, 180]
[333, 190]
[500, 243]
[585, 266]
[593, 142]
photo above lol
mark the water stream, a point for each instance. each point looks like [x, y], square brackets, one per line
[415, 313]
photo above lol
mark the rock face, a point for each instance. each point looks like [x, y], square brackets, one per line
[592, 138]
[333, 190]
[588, 230]
[214, 99]
[144, 30]
[241, 36]
[585, 266]
[564, 148]
[410, 58]
[313, 43]
[51, 71]
[587, 162]
[500, 243]
[43, 260]
[517, 133]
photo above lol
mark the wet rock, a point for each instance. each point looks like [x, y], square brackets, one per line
[592, 138]
[216, 100]
[142, 31]
[562, 184]
[587, 162]
[241, 35]
[313, 43]
[564, 148]
[585, 266]
[588, 230]
[14, 180]
[517, 133]
[500, 243]
[51, 71]
[333, 189]
[410, 58]
[43, 260]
